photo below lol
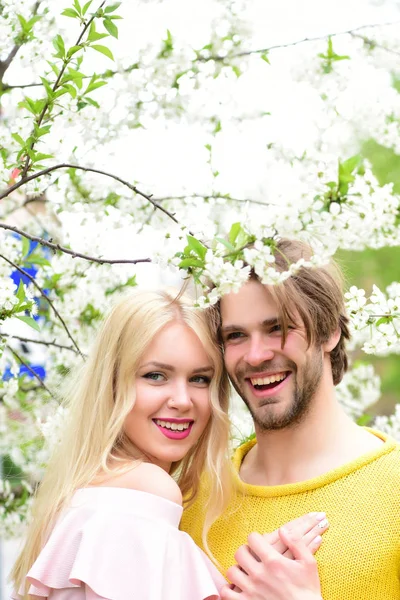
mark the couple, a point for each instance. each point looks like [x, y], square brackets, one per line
[152, 401]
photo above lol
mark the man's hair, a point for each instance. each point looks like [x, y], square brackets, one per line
[316, 295]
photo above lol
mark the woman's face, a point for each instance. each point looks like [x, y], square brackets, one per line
[172, 387]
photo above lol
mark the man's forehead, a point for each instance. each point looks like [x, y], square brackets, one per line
[253, 302]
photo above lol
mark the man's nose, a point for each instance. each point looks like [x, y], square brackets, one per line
[259, 351]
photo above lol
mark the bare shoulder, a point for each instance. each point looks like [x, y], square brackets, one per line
[146, 477]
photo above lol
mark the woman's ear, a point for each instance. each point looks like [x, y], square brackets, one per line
[333, 341]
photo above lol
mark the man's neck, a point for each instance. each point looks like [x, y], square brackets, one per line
[326, 439]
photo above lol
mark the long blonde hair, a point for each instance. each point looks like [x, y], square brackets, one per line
[99, 401]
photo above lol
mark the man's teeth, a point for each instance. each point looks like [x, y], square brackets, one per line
[267, 380]
[173, 426]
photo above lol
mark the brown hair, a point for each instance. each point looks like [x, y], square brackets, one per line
[315, 294]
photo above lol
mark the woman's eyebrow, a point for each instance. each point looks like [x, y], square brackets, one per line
[160, 365]
[207, 369]
[167, 367]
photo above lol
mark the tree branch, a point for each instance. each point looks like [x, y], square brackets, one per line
[37, 286]
[105, 75]
[41, 342]
[372, 44]
[352, 31]
[214, 196]
[31, 371]
[26, 179]
[57, 247]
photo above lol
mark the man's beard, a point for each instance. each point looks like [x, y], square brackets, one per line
[302, 396]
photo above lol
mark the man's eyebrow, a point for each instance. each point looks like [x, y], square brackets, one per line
[160, 365]
[265, 323]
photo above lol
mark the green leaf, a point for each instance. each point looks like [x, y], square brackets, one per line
[197, 246]
[236, 70]
[18, 139]
[58, 44]
[92, 102]
[54, 68]
[29, 321]
[47, 87]
[112, 7]
[40, 131]
[103, 50]
[40, 156]
[38, 259]
[94, 85]
[20, 294]
[382, 320]
[84, 9]
[23, 23]
[111, 27]
[77, 77]
[73, 50]
[264, 56]
[234, 232]
[70, 89]
[227, 244]
[191, 262]
[78, 7]
[351, 163]
[70, 12]
[25, 247]
[93, 35]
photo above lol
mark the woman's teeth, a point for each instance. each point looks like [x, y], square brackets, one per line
[173, 426]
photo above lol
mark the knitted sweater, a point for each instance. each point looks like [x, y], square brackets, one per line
[360, 555]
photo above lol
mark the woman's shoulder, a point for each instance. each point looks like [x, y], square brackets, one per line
[146, 477]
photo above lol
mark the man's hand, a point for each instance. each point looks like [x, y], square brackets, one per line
[263, 573]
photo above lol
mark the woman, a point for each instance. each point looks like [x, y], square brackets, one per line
[151, 402]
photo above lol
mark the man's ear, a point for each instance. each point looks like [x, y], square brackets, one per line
[333, 341]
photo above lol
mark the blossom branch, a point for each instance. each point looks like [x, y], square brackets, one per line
[41, 342]
[58, 247]
[5, 64]
[372, 44]
[105, 75]
[216, 197]
[31, 371]
[48, 300]
[46, 106]
[25, 179]
[219, 58]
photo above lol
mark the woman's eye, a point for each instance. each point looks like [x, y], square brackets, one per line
[276, 328]
[154, 376]
[202, 379]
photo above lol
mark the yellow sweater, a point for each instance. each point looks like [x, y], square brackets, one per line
[360, 555]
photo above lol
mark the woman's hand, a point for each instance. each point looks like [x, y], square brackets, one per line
[265, 574]
[308, 528]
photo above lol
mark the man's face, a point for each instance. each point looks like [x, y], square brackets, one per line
[277, 384]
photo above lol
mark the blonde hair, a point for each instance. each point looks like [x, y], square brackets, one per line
[99, 401]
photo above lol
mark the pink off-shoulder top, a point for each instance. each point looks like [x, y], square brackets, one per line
[122, 544]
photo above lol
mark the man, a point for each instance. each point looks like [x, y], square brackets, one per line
[284, 350]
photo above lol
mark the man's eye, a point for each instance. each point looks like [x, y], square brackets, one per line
[276, 328]
[235, 335]
[153, 376]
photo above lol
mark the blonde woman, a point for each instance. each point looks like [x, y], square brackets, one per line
[151, 402]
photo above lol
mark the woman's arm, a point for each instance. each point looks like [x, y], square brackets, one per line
[264, 573]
